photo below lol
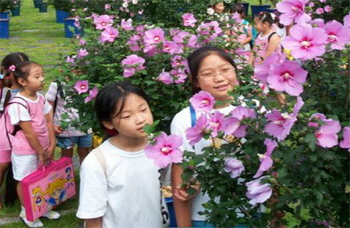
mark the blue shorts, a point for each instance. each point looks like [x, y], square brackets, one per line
[84, 141]
[196, 223]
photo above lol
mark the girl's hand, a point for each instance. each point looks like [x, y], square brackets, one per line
[50, 151]
[57, 129]
[181, 193]
[43, 157]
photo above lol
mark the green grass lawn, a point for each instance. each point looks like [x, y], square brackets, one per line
[38, 35]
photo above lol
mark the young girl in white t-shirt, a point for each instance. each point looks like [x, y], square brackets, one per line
[119, 185]
[35, 140]
[212, 70]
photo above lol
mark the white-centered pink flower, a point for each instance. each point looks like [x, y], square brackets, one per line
[306, 42]
[82, 53]
[154, 36]
[132, 64]
[194, 134]
[287, 77]
[81, 86]
[202, 101]
[293, 11]
[109, 35]
[102, 22]
[166, 150]
[262, 71]
[338, 35]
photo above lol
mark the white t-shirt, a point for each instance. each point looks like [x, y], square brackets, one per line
[19, 113]
[179, 125]
[128, 197]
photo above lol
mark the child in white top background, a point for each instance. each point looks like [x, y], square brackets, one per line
[66, 139]
[35, 141]
[119, 184]
[267, 40]
[8, 89]
[212, 70]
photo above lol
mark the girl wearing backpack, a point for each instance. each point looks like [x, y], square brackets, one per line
[267, 41]
[35, 139]
[8, 88]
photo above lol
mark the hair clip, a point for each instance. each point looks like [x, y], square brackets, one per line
[273, 16]
[12, 68]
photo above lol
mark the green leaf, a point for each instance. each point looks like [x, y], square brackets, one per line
[311, 140]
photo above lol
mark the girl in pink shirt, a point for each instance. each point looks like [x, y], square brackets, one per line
[35, 139]
[267, 40]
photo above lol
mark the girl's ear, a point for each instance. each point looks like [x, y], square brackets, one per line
[108, 125]
[21, 81]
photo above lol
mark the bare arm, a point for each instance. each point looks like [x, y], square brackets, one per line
[249, 38]
[33, 139]
[52, 136]
[182, 206]
[94, 223]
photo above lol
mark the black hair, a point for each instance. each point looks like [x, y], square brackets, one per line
[110, 96]
[23, 69]
[277, 20]
[238, 8]
[266, 17]
[9, 60]
[195, 59]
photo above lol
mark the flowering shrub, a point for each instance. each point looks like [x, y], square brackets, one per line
[8, 4]
[289, 156]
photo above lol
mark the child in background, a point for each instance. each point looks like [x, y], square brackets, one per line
[35, 140]
[119, 185]
[8, 89]
[66, 139]
[279, 28]
[246, 31]
[219, 7]
[214, 71]
[267, 40]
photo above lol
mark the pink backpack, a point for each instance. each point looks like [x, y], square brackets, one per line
[6, 127]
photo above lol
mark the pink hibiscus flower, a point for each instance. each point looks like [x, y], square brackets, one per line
[338, 35]
[202, 101]
[171, 47]
[132, 64]
[289, 77]
[134, 43]
[326, 135]
[347, 20]
[242, 113]
[345, 144]
[92, 94]
[293, 10]
[126, 25]
[306, 42]
[102, 22]
[281, 124]
[195, 134]
[328, 9]
[234, 167]
[81, 86]
[266, 161]
[262, 71]
[165, 77]
[216, 123]
[178, 75]
[109, 35]
[82, 53]
[258, 192]
[319, 22]
[189, 20]
[153, 36]
[319, 11]
[165, 151]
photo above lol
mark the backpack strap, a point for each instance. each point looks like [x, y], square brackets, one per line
[268, 38]
[17, 128]
[101, 159]
[193, 116]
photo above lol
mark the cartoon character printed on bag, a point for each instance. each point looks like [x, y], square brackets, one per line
[38, 199]
[56, 192]
[69, 177]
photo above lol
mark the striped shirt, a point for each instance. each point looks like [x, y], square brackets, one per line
[60, 110]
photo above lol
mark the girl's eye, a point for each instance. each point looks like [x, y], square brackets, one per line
[125, 117]
[144, 110]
